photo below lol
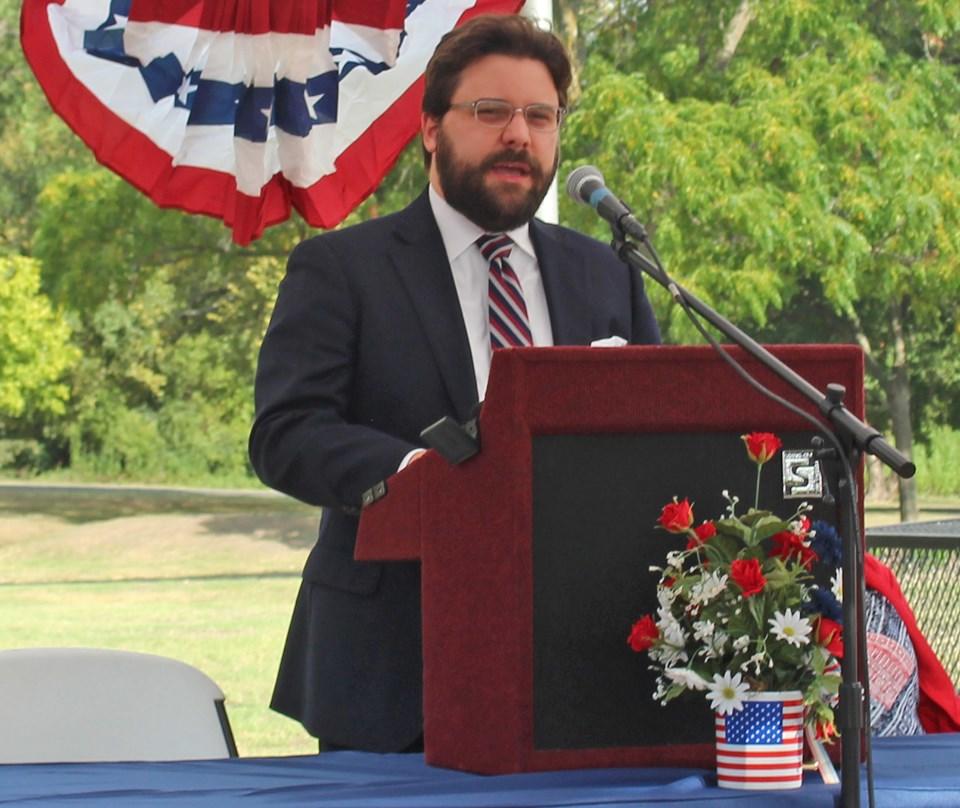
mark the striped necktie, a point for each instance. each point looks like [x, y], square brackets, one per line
[509, 324]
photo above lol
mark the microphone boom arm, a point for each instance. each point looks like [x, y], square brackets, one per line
[851, 432]
[860, 434]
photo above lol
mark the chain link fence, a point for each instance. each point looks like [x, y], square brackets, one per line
[925, 556]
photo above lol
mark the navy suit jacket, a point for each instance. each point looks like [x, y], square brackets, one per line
[365, 348]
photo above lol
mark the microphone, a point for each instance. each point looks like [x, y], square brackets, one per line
[585, 185]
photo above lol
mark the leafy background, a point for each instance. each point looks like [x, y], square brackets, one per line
[795, 163]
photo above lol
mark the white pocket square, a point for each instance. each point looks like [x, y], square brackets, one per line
[609, 342]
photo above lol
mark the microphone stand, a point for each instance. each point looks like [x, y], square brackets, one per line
[853, 438]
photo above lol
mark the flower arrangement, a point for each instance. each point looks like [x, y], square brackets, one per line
[738, 607]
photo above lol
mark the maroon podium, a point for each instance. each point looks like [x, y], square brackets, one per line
[535, 553]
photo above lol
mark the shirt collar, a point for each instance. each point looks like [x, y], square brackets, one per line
[459, 233]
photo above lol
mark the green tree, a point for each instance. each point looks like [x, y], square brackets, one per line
[169, 313]
[35, 352]
[796, 162]
[34, 143]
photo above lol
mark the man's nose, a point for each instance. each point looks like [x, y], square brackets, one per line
[516, 131]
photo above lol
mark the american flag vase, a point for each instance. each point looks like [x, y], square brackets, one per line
[761, 746]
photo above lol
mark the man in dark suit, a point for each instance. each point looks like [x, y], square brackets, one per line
[381, 329]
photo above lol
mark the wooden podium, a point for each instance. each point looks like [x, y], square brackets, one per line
[535, 553]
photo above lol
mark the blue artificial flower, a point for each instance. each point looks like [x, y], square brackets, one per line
[826, 543]
[825, 602]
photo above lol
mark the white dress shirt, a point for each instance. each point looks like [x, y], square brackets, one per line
[471, 277]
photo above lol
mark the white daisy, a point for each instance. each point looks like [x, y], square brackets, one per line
[687, 677]
[703, 629]
[673, 640]
[666, 595]
[667, 619]
[836, 584]
[708, 587]
[741, 643]
[726, 692]
[791, 627]
[673, 634]
[717, 644]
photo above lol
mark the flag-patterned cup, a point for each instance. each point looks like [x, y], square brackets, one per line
[761, 746]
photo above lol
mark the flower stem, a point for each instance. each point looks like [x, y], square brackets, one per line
[756, 495]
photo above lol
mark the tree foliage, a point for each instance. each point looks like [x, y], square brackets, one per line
[169, 314]
[139, 326]
[797, 166]
[795, 162]
[35, 349]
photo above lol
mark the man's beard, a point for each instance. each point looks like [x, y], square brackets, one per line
[464, 188]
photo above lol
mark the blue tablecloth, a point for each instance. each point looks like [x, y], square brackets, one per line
[923, 771]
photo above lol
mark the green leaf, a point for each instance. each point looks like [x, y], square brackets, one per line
[36, 350]
[733, 528]
[768, 526]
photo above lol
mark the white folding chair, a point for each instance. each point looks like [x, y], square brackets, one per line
[86, 704]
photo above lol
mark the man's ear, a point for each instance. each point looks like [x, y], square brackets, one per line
[429, 127]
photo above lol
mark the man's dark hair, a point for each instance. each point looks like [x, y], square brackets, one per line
[488, 35]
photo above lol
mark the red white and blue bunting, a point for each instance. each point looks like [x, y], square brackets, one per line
[240, 109]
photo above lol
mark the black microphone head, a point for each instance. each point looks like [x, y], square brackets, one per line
[582, 182]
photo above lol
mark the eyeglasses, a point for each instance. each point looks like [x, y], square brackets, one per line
[497, 114]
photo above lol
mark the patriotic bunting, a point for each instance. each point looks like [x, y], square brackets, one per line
[241, 110]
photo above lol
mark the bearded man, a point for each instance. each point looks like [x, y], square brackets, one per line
[383, 328]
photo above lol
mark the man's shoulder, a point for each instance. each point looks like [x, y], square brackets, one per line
[372, 232]
[570, 240]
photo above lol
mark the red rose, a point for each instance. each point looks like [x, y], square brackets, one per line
[830, 636]
[761, 446]
[676, 516]
[703, 534]
[785, 545]
[808, 557]
[643, 634]
[748, 575]
[826, 731]
[788, 545]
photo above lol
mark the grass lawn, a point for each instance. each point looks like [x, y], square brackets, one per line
[203, 577]
[213, 589]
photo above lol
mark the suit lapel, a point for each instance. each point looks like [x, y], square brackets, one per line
[566, 283]
[421, 262]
